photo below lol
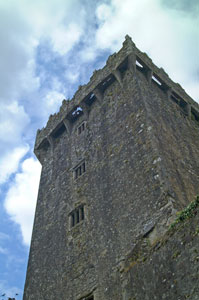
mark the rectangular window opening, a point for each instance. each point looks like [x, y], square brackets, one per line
[44, 145]
[106, 83]
[155, 79]
[79, 170]
[59, 131]
[194, 114]
[75, 114]
[77, 215]
[139, 65]
[81, 128]
[123, 67]
[90, 99]
[174, 99]
[182, 104]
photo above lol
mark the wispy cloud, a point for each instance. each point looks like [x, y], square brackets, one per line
[10, 162]
[20, 200]
[169, 36]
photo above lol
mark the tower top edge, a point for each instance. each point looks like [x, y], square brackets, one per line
[112, 63]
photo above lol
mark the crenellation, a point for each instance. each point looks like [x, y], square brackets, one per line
[128, 57]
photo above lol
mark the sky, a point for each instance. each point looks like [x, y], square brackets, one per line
[47, 49]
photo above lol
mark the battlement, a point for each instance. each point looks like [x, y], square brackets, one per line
[127, 58]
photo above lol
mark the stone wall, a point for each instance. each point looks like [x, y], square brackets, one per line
[169, 269]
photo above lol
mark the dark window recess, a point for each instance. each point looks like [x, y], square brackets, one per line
[90, 99]
[75, 114]
[177, 99]
[140, 66]
[44, 145]
[183, 104]
[194, 114]
[91, 297]
[76, 216]
[123, 67]
[106, 83]
[59, 131]
[174, 99]
[81, 128]
[79, 170]
[156, 80]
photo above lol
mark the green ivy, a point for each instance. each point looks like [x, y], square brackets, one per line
[186, 213]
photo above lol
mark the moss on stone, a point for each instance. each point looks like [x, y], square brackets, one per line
[186, 213]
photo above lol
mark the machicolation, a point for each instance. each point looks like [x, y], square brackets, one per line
[129, 57]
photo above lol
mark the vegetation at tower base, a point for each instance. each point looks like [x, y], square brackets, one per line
[118, 161]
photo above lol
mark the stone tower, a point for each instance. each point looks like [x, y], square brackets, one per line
[118, 161]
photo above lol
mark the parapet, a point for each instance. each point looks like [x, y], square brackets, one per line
[128, 57]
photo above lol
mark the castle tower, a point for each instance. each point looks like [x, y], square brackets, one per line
[118, 161]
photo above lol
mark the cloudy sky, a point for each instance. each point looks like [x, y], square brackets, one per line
[47, 49]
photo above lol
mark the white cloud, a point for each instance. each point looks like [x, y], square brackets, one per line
[63, 39]
[17, 50]
[13, 121]
[52, 102]
[170, 37]
[10, 161]
[104, 12]
[21, 198]
[72, 76]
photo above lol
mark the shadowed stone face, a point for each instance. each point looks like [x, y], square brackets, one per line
[118, 161]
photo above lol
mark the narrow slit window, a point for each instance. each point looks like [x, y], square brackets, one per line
[77, 215]
[72, 219]
[80, 170]
[82, 213]
[83, 167]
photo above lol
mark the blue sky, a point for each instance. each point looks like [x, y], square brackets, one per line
[48, 48]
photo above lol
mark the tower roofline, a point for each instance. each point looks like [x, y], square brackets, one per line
[126, 58]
